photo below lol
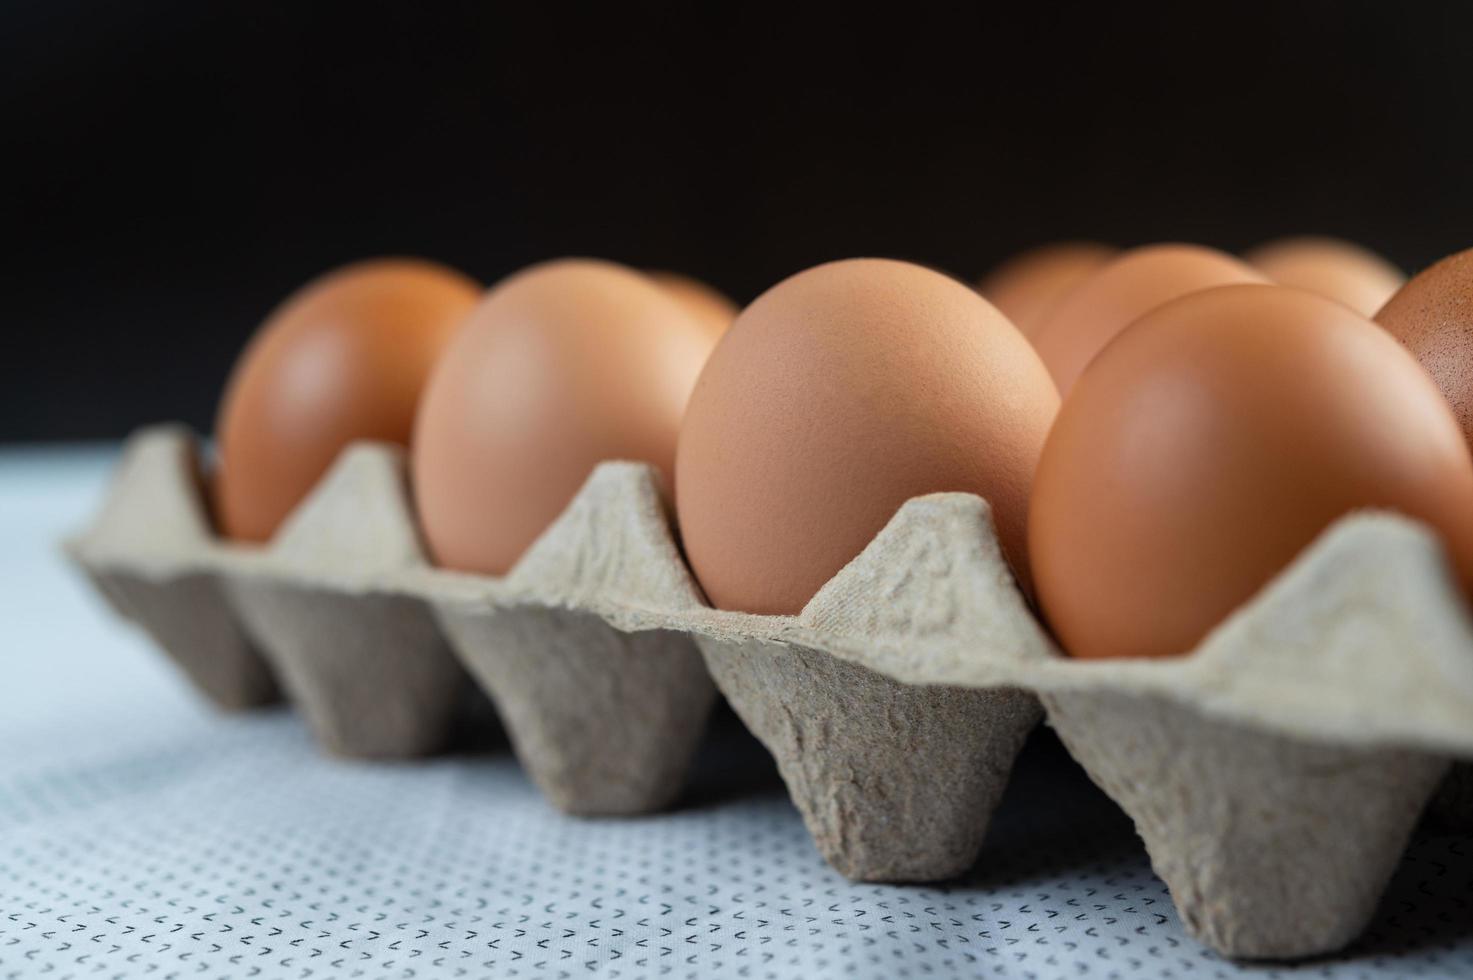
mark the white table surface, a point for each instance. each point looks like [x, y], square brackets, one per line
[143, 834]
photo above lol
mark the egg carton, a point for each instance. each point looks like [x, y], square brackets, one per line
[1274, 774]
[379, 649]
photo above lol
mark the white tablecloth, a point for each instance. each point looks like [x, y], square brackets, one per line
[141, 833]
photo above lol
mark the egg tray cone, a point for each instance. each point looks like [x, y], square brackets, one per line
[1274, 773]
[378, 649]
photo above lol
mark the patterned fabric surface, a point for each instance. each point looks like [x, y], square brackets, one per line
[142, 834]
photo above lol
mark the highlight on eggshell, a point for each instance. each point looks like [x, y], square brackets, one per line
[1121, 291]
[1432, 315]
[1214, 440]
[708, 304]
[1027, 286]
[560, 367]
[1331, 267]
[342, 359]
[838, 395]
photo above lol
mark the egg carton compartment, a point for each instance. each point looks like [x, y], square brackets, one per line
[143, 555]
[1275, 773]
[378, 649]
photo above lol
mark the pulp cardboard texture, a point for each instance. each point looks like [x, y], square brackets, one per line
[1275, 773]
[378, 648]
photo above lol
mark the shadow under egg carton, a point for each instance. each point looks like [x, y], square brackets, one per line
[1274, 774]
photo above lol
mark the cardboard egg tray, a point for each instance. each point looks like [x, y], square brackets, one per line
[1275, 773]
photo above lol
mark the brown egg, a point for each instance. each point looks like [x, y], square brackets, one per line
[1090, 315]
[836, 396]
[1433, 316]
[344, 358]
[707, 304]
[1214, 440]
[562, 366]
[1355, 276]
[1026, 287]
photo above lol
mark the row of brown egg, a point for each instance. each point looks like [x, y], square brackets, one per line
[1216, 414]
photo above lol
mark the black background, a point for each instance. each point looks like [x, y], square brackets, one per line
[183, 165]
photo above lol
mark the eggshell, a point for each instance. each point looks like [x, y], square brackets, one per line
[1026, 287]
[342, 359]
[1105, 303]
[836, 396]
[710, 306]
[562, 366]
[1340, 270]
[1214, 440]
[1433, 317]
